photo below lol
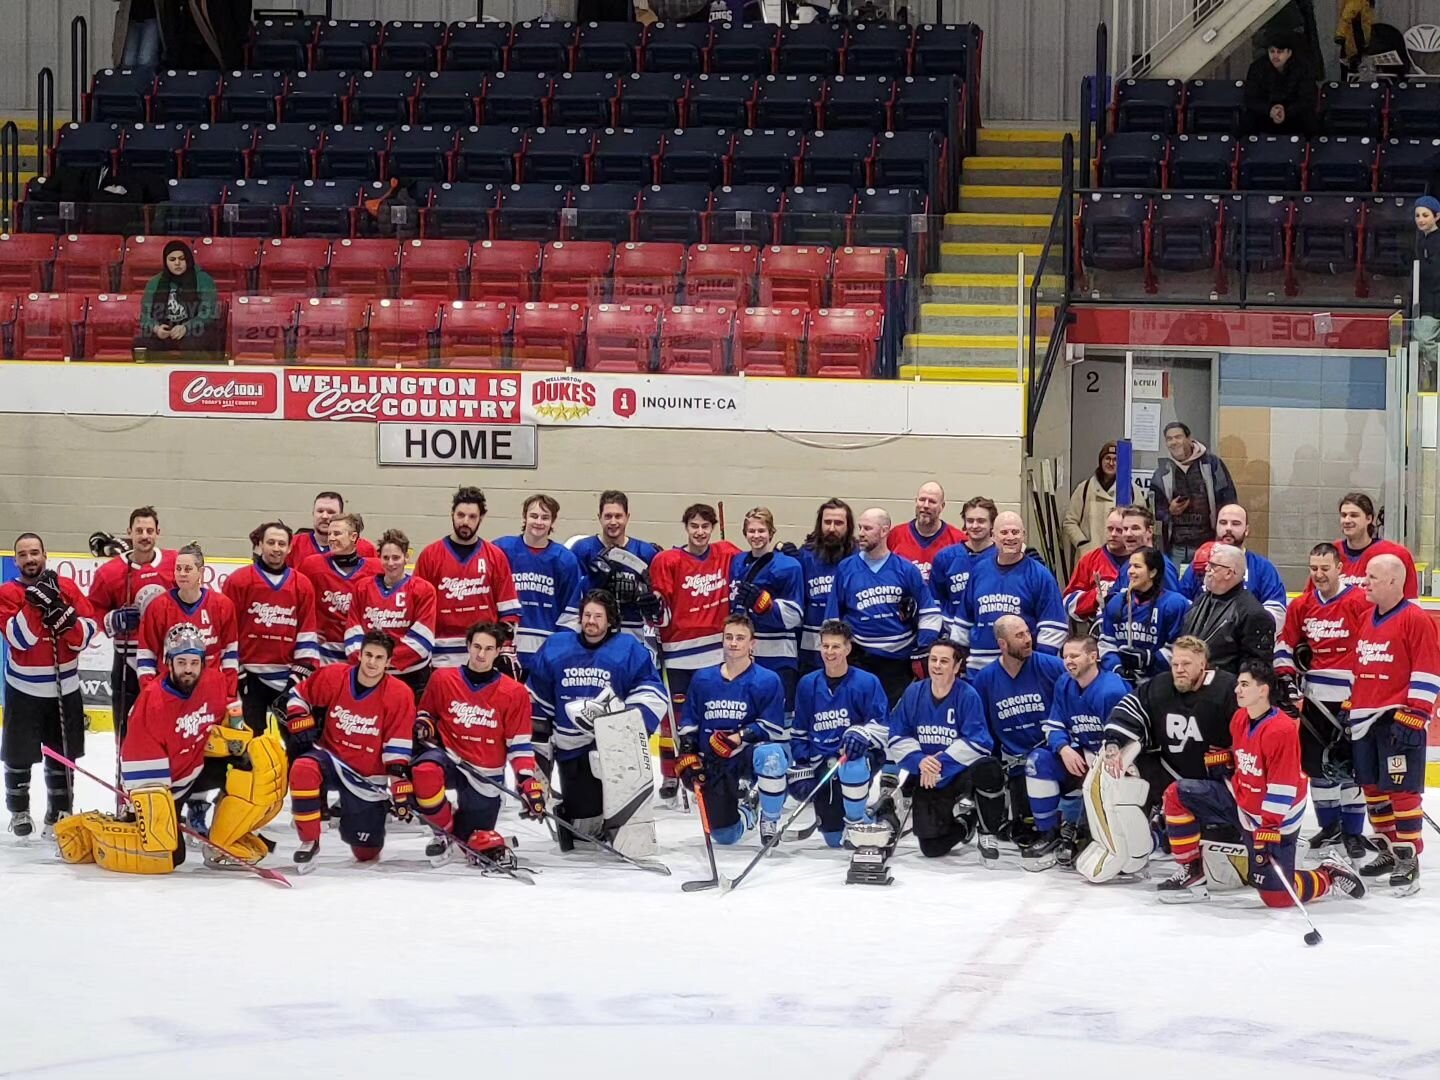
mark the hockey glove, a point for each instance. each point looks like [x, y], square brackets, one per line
[1408, 729]
[423, 732]
[1260, 863]
[649, 606]
[123, 620]
[856, 743]
[534, 793]
[508, 663]
[746, 593]
[402, 792]
[600, 570]
[906, 608]
[1266, 837]
[298, 674]
[722, 747]
[1219, 763]
[303, 729]
[800, 780]
[58, 620]
[1290, 688]
[690, 770]
[919, 670]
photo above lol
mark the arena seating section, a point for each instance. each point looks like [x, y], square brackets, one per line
[1186, 192]
[682, 198]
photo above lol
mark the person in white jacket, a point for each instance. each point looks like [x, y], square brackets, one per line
[1090, 504]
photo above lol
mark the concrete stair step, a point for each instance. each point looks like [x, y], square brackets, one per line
[917, 368]
[974, 319]
[1009, 198]
[1022, 142]
[962, 350]
[982, 288]
[1011, 170]
[972, 257]
[982, 227]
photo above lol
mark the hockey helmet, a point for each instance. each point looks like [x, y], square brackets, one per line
[182, 640]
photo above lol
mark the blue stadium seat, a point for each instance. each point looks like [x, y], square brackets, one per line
[219, 151]
[117, 95]
[477, 46]
[411, 46]
[1271, 163]
[184, 96]
[879, 49]
[557, 156]
[1343, 163]
[1410, 165]
[382, 97]
[789, 101]
[1132, 159]
[1256, 231]
[347, 45]
[460, 211]
[944, 49]
[191, 209]
[626, 156]
[154, 149]
[695, 156]
[530, 212]
[765, 156]
[652, 99]
[926, 104]
[672, 213]
[1184, 232]
[720, 101]
[908, 159]
[608, 46]
[489, 155]
[285, 151]
[318, 97]
[1112, 231]
[1352, 109]
[884, 216]
[837, 157]
[1390, 237]
[86, 146]
[858, 101]
[585, 98]
[1214, 107]
[515, 98]
[1415, 110]
[743, 48]
[449, 97]
[1327, 235]
[1202, 162]
[282, 44]
[421, 153]
[678, 47]
[743, 214]
[811, 48]
[255, 208]
[251, 97]
[1148, 105]
[602, 212]
[542, 46]
[817, 215]
[325, 208]
[352, 152]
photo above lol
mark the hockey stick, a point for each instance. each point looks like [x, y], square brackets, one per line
[230, 860]
[1431, 820]
[720, 512]
[726, 884]
[1313, 936]
[714, 879]
[486, 863]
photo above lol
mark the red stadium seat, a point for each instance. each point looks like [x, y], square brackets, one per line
[293, 265]
[363, 268]
[770, 341]
[47, 324]
[648, 272]
[621, 337]
[9, 307]
[548, 336]
[401, 331]
[862, 276]
[230, 261]
[111, 325]
[843, 343]
[329, 330]
[720, 274]
[473, 333]
[144, 258]
[434, 268]
[504, 270]
[86, 263]
[576, 271]
[260, 329]
[696, 340]
[794, 275]
[25, 260]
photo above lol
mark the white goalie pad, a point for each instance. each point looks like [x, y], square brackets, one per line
[1119, 827]
[1226, 865]
[621, 762]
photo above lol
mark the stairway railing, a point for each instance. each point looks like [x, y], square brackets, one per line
[1059, 244]
[1145, 32]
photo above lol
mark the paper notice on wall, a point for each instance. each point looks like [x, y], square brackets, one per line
[1148, 384]
[1145, 425]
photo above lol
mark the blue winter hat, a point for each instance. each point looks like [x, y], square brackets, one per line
[1428, 202]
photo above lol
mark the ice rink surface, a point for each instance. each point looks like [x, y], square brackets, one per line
[600, 970]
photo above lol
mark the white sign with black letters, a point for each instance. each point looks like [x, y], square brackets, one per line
[497, 446]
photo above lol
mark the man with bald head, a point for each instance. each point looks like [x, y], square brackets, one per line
[1397, 677]
[1261, 577]
[1227, 617]
[928, 534]
[887, 604]
[1009, 584]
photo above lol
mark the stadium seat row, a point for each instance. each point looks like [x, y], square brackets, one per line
[428, 332]
[1402, 110]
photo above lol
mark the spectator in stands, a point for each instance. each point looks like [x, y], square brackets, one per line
[1190, 486]
[1279, 92]
[1091, 503]
[1427, 252]
[179, 312]
[137, 34]
[1352, 32]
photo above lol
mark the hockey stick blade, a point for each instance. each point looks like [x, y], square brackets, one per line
[483, 862]
[699, 885]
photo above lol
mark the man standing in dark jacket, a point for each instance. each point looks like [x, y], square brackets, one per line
[1190, 486]
[1279, 91]
[1427, 253]
[1227, 617]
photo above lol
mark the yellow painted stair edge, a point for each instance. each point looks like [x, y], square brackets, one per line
[984, 217]
[938, 373]
[996, 247]
[1010, 191]
[963, 341]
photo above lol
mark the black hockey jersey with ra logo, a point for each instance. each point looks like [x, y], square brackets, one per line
[1178, 727]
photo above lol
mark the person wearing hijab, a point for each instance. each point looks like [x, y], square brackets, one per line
[180, 311]
[1427, 254]
[1279, 92]
[1090, 504]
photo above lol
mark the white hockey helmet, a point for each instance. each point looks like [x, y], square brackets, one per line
[184, 639]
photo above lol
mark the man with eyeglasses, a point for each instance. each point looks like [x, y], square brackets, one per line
[1227, 616]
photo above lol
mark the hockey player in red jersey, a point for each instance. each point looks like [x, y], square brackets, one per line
[1397, 676]
[472, 721]
[927, 534]
[354, 725]
[179, 745]
[118, 595]
[191, 602]
[275, 619]
[399, 604]
[693, 584]
[1358, 544]
[1264, 790]
[316, 541]
[1096, 572]
[334, 576]
[471, 578]
[46, 623]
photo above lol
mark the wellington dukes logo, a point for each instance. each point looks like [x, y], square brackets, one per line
[562, 398]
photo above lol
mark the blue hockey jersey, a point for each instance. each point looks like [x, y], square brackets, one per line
[547, 581]
[567, 675]
[1016, 708]
[952, 728]
[1077, 716]
[869, 601]
[823, 712]
[1025, 588]
[590, 548]
[752, 703]
[1261, 578]
[818, 578]
[777, 629]
[950, 577]
[1152, 626]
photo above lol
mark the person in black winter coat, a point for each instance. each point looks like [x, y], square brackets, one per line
[1427, 253]
[1280, 92]
[1227, 616]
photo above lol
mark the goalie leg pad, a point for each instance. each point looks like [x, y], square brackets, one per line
[621, 761]
[1226, 865]
[146, 845]
[74, 838]
[1119, 826]
[252, 798]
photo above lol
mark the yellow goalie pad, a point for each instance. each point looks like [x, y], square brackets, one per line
[228, 741]
[252, 798]
[146, 845]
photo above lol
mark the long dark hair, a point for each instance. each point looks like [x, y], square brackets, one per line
[847, 546]
[186, 284]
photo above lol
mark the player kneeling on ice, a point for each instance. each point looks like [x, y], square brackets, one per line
[1258, 782]
[183, 737]
[472, 720]
[938, 736]
[734, 730]
[353, 726]
[838, 709]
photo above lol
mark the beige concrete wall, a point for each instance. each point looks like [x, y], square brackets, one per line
[215, 479]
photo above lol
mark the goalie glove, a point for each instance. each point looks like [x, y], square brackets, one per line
[402, 792]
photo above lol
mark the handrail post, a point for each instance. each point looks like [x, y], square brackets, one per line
[1101, 99]
[79, 63]
[1020, 298]
[44, 117]
[9, 174]
[1067, 198]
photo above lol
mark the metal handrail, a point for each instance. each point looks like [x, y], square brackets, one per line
[44, 118]
[79, 63]
[1145, 34]
[1042, 368]
[9, 174]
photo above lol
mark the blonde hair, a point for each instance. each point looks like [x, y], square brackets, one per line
[1191, 643]
[761, 514]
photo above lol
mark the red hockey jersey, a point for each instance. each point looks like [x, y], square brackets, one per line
[303, 545]
[113, 588]
[477, 589]
[1269, 786]
[906, 541]
[165, 738]
[30, 659]
[334, 591]
[482, 723]
[1354, 563]
[1082, 591]
[275, 619]
[365, 729]
[406, 613]
[213, 615]
[695, 592]
[1329, 627]
[1397, 662]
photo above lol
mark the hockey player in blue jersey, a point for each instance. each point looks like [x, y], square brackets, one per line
[832, 540]
[938, 737]
[1141, 622]
[616, 562]
[1011, 583]
[767, 585]
[1074, 732]
[1138, 524]
[838, 709]
[887, 604]
[546, 575]
[734, 729]
[1262, 580]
